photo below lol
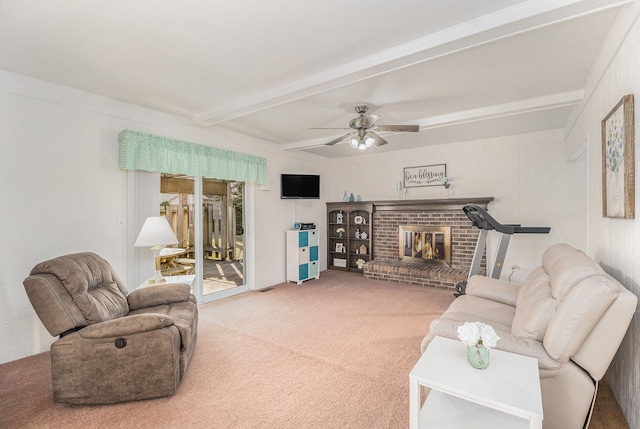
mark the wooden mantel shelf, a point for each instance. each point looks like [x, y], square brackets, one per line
[437, 204]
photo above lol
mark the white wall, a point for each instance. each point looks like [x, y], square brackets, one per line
[615, 243]
[271, 223]
[63, 191]
[527, 175]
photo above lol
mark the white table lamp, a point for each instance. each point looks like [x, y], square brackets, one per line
[156, 233]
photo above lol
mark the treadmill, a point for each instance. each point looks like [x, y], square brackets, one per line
[485, 222]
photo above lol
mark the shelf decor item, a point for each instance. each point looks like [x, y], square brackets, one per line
[360, 263]
[479, 338]
[340, 232]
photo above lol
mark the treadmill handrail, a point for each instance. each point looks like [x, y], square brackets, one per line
[483, 220]
[532, 230]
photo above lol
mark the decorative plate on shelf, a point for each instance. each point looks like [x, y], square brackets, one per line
[358, 219]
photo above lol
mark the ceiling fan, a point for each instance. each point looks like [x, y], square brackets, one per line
[365, 131]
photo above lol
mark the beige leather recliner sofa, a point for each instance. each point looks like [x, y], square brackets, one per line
[114, 346]
[568, 313]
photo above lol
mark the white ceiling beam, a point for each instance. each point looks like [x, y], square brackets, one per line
[502, 24]
[502, 110]
[531, 105]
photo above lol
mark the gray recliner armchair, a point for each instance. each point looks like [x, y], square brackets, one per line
[114, 346]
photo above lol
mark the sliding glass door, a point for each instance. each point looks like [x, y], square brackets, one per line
[223, 234]
[208, 218]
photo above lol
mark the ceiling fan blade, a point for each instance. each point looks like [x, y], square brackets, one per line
[399, 128]
[379, 141]
[324, 128]
[339, 139]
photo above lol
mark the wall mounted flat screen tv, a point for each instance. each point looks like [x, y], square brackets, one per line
[302, 186]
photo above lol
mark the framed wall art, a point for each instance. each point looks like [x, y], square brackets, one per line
[618, 161]
[426, 175]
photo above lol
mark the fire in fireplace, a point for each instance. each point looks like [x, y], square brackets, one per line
[427, 244]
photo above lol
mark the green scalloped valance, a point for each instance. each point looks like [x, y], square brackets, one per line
[143, 151]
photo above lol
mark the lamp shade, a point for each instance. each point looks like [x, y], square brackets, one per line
[156, 231]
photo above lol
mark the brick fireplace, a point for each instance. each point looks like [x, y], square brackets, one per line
[425, 220]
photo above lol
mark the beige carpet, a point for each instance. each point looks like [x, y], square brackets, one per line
[330, 353]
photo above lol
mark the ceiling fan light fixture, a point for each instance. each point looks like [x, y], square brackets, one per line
[369, 141]
[362, 141]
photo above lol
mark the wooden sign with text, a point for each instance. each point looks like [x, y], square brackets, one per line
[426, 175]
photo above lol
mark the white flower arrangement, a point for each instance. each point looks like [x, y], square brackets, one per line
[340, 230]
[360, 263]
[474, 333]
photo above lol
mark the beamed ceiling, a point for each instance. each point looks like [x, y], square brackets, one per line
[275, 69]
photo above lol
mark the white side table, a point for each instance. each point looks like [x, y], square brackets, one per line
[186, 279]
[504, 395]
